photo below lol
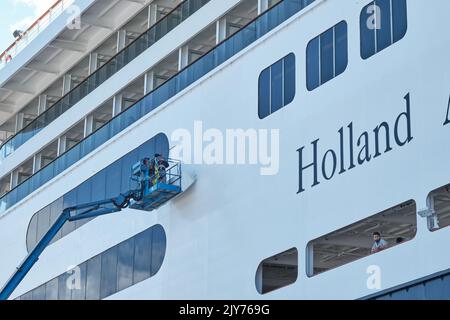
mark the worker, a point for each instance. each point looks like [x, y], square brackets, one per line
[158, 169]
[18, 34]
[379, 243]
[145, 170]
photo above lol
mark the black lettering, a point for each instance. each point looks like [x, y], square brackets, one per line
[324, 164]
[341, 140]
[302, 168]
[407, 116]
[352, 159]
[365, 149]
[447, 120]
[377, 139]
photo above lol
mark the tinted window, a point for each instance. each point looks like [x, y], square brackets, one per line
[121, 266]
[158, 248]
[79, 287]
[382, 23]
[93, 278]
[39, 293]
[51, 290]
[64, 289]
[276, 86]
[142, 256]
[326, 56]
[125, 261]
[108, 284]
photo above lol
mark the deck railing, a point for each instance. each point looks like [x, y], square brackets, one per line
[32, 32]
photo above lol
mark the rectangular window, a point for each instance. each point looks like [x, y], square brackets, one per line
[108, 281]
[326, 56]
[64, 290]
[379, 232]
[382, 23]
[142, 256]
[51, 289]
[125, 264]
[84, 195]
[39, 293]
[79, 287]
[158, 249]
[113, 179]
[93, 279]
[276, 87]
[69, 200]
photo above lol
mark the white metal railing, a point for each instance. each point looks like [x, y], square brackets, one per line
[39, 25]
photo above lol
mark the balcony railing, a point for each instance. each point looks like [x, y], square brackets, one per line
[116, 63]
[209, 61]
[37, 27]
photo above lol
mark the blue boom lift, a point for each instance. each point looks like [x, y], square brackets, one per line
[156, 184]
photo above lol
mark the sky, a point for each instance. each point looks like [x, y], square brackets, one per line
[19, 15]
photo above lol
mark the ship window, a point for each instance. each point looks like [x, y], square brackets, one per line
[382, 23]
[78, 282]
[142, 256]
[84, 195]
[276, 86]
[51, 289]
[64, 290]
[125, 264]
[440, 202]
[132, 261]
[158, 249]
[39, 293]
[327, 56]
[395, 225]
[277, 271]
[94, 268]
[108, 279]
[5, 184]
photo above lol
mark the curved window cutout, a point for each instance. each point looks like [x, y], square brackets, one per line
[113, 270]
[277, 271]
[107, 183]
[439, 202]
[395, 226]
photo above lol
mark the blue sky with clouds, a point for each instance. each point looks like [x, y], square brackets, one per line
[19, 14]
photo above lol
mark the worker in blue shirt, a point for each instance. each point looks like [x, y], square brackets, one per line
[379, 243]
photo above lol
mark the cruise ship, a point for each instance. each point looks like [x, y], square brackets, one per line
[227, 149]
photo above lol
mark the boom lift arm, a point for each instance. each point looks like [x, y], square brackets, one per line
[89, 210]
[155, 187]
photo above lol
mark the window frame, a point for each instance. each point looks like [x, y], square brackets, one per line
[319, 58]
[363, 13]
[290, 57]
